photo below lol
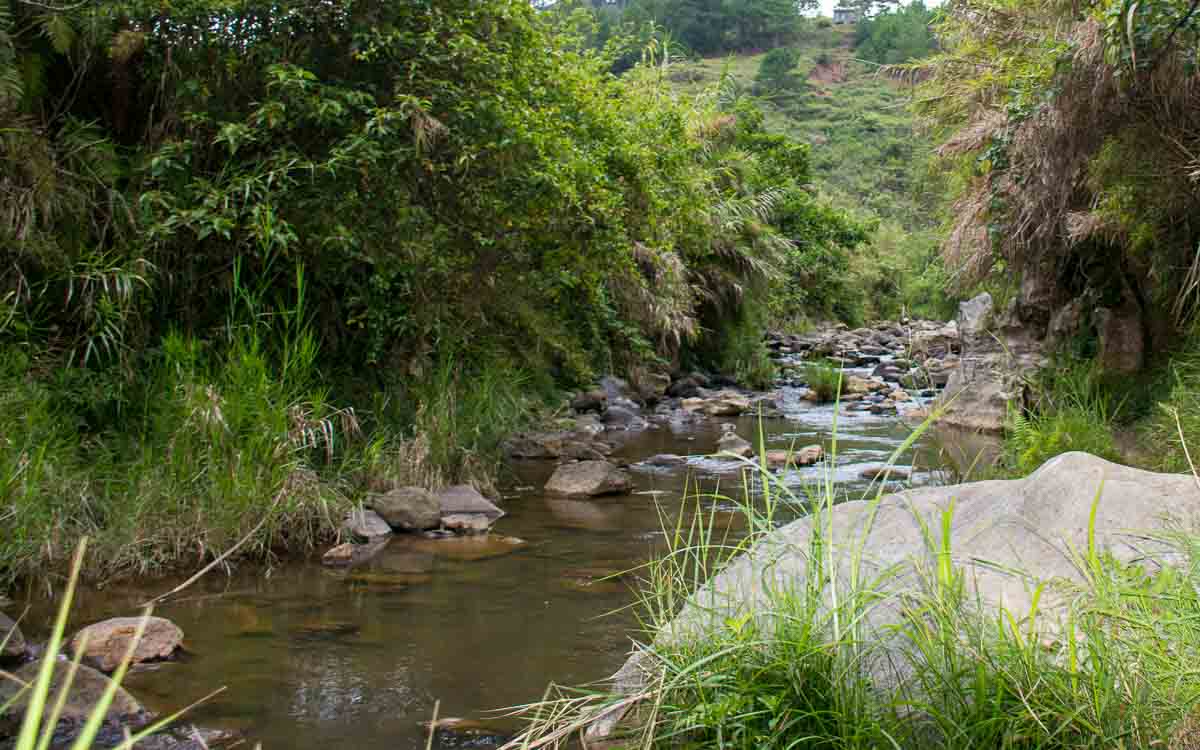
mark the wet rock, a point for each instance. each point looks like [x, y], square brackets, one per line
[899, 395]
[86, 691]
[735, 444]
[465, 499]
[857, 385]
[593, 400]
[588, 479]
[104, 644]
[349, 554]
[582, 451]
[470, 548]
[652, 387]
[452, 732]
[726, 405]
[666, 459]
[366, 525]
[466, 523]
[408, 509]
[687, 387]
[15, 646]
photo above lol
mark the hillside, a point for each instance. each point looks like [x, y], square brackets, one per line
[868, 158]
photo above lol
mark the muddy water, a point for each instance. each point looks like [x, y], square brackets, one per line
[314, 659]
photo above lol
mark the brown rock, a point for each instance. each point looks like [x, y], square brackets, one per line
[104, 644]
[588, 479]
[14, 646]
[87, 688]
[466, 523]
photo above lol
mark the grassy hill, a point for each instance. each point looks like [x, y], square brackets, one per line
[868, 156]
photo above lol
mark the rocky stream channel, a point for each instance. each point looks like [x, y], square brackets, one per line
[353, 651]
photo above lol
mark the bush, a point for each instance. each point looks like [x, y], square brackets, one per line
[1173, 428]
[776, 71]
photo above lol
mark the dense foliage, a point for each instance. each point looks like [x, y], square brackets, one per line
[281, 234]
[706, 27]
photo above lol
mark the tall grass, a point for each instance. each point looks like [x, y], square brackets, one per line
[1175, 422]
[1075, 411]
[801, 667]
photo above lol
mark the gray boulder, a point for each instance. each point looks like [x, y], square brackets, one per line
[463, 499]
[1008, 537]
[14, 645]
[365, 524]
[408, 509]
[588, 479]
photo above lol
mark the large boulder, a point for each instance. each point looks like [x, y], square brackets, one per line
[588, 479]
[104, 644]
[726, 404]
[1008, 538]
[87, 688]
[408, 509]
[463, 499]
[999, 352]
[1122, 338]
[12, 641]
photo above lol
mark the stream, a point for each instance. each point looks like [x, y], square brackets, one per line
[314, 658]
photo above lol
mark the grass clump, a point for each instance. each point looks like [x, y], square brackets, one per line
[824, 380]
[1175, 422]
[1075, 411]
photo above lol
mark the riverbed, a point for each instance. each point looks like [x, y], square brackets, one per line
[313, 658]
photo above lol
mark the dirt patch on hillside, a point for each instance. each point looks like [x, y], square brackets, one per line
[829, 73]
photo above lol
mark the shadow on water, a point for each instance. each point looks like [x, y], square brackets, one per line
[316, 659]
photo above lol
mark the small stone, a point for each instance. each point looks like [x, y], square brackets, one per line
[737, 445]
[342, 554]
[366, 524]
[593, 400]
[666, 459]
[810, 455]
[104, 644]
[883, 472]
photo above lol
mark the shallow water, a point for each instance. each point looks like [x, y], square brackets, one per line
[314, 659]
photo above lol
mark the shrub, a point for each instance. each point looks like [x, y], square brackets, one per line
[776, 71]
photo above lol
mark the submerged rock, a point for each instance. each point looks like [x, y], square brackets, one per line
[470, 548]
[666, 459]
[408, 509]
[104, 644]
[366, 524]
[1009, 537]
[588, 479]
[15, 646]
[353, 554]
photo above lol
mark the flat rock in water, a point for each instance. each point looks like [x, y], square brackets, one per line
[366, 524]
[86, 691]
[884, 472]
[350, 554]
[408, 509]
[104, 644]
[470, 548]
[15, 646]
[463, 498]
[588, 479]
[666, 459]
